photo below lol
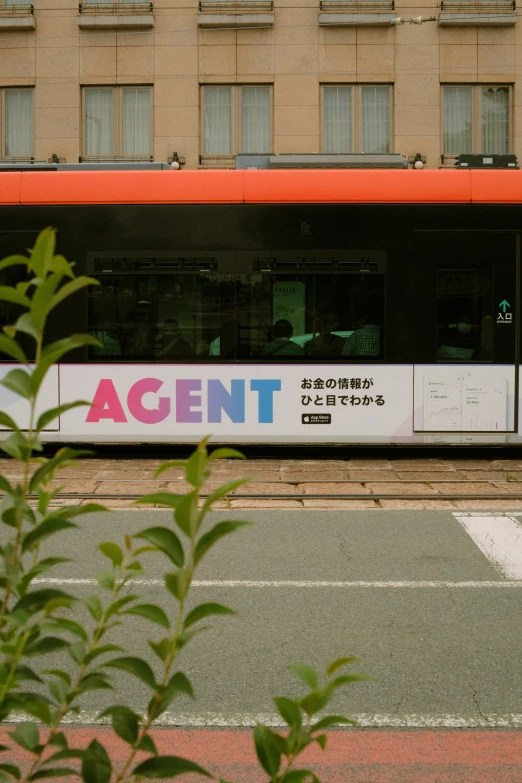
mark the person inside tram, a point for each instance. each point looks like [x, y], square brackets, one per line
[281, 344]
[366, 339]
[460, 339]
[174, 346]
[325, 343]
[109, 345]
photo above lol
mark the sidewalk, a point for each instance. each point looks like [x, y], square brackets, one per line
[368, 478]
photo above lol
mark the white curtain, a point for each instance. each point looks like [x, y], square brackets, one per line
[337, 119]
[16, 2]
[255, 119]
[19, 123]
[375, 106]
[217, 131]
[495, 120]
[136, 121]
[99, 119]
[457, 112]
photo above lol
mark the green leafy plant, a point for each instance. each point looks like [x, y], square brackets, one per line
[36, 622]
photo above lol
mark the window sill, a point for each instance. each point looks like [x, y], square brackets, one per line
[477, 20]
[473, 13]
[17, 17]
[356, 19]
[219, 21]
[105, 15]
[217, 161]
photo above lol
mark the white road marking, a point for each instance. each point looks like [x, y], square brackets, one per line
[499, 537]
[364, 720]
[293, 583]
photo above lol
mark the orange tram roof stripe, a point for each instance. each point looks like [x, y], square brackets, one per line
[371, 186]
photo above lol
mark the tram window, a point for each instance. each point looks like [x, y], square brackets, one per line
[465, 311]
[307, 317]
[212, 316]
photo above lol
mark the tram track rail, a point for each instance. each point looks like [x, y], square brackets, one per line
[373, 494]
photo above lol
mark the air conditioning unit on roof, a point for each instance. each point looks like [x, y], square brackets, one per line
[486, 162]
[322, 161]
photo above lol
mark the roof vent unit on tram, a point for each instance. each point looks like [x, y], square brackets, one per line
[486, 162]
[320, 161]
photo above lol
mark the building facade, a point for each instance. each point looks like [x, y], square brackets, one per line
[209, 81]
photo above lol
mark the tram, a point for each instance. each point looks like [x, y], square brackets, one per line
[281, 306]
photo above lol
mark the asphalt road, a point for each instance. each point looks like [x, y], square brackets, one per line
[443, 654]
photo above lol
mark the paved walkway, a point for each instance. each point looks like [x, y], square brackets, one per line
[367, 478]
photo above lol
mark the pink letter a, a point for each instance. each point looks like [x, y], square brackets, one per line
[106, 403]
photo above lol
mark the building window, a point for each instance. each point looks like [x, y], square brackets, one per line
[356, 118]
[117, 122]
[236, 120]
[476, 119]
[16, 133]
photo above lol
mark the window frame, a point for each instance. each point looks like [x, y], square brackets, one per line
[476, 116]
[117, 122]
[356, 130]
[236, 119]
[3, 118]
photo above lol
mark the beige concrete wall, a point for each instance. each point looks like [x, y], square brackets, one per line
[296, 56]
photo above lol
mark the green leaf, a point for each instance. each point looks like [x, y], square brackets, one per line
[225, 453]
[25, 324]
[161, 648]
[176, 463]
[53, 772]
[27, 736]
[178, 583]
[59, 673]
[38, 599]
[332, 667]
[9, 294]
[289, 711]
[106, 579]
[15, 260]
[49, 644]
[208, 539]
[347, 679]
[8, 422]
[165, 540]
[5, 486]
[19, 382]
[71, 288]
[94, 682]
[30, 703]
[185, 512]
[268, 749]
[195, 465]
[96, 765]
[221, 491]
[101, 650]
[178, 683]
[146, 744]
[45, 529]
[186, 636]
[112, 551]
[11, 348]
[25, 673]
[170, 499]
[205, 610]
[151, 612]
[332, 720]
[167, 767]
[135, 666]
[48, 416]
[42, 253]
[59, 740]
[94, 606]
[11, 770]
[305, 673]
[78, 651]
[299, 776]
[321, 740]
[125, 722]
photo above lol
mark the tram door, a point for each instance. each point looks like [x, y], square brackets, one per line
[466, 363]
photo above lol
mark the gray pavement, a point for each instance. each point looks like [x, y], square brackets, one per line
[438, 653]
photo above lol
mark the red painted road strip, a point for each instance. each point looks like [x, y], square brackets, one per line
[352, 756]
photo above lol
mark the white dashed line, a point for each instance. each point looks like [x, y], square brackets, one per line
[294, 583]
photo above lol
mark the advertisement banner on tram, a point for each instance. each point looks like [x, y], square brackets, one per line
[239, 403]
